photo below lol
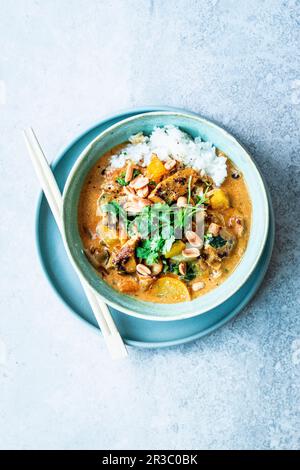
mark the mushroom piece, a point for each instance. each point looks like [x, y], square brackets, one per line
[229, 245]
[98, 257]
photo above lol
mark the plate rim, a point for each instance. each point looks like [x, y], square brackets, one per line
[145, 344]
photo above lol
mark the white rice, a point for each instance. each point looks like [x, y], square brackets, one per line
[170, 142]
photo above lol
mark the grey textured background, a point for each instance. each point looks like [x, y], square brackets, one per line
[64, 65]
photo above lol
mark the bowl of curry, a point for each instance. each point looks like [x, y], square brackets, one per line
[165, 215]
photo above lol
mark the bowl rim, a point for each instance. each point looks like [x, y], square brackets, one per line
[218, 300]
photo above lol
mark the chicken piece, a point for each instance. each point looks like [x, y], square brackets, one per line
[211, 257]
[120, 258]
[218, 248]
[214, 229]
[176, 185]
[124, 283]
[237, 224]
[145, 282]
[110, 184]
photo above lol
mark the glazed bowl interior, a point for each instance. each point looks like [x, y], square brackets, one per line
[195, 126]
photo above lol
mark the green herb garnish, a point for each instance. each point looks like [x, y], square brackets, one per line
[136, 173]
[121, 180]
[189, 189]
[203, 199]
[152, 248]
[184, 215]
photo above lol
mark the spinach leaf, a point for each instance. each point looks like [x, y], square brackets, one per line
[191, 271]
[217, 242]
[174, 268]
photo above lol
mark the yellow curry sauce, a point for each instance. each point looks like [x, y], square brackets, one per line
[212, 266]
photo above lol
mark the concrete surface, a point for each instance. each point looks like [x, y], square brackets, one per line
[66, 63]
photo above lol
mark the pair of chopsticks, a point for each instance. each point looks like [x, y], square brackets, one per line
[46, 178]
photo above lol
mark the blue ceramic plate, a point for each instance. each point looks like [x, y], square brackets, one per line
[137, 332]
[195, 126]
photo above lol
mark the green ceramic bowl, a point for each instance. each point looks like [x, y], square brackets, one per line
[195, 126]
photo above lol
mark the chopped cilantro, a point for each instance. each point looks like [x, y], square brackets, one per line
[189, 189]
[152, 248]
[121, 180]
[136, 173]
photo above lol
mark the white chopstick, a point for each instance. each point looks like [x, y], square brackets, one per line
[46, 178]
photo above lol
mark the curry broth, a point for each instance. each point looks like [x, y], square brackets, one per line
[88, 220]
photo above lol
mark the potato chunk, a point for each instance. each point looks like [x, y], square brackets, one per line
[124, 283]
[130, 266]
[176, 249]
[219, 200]
[169, 290]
